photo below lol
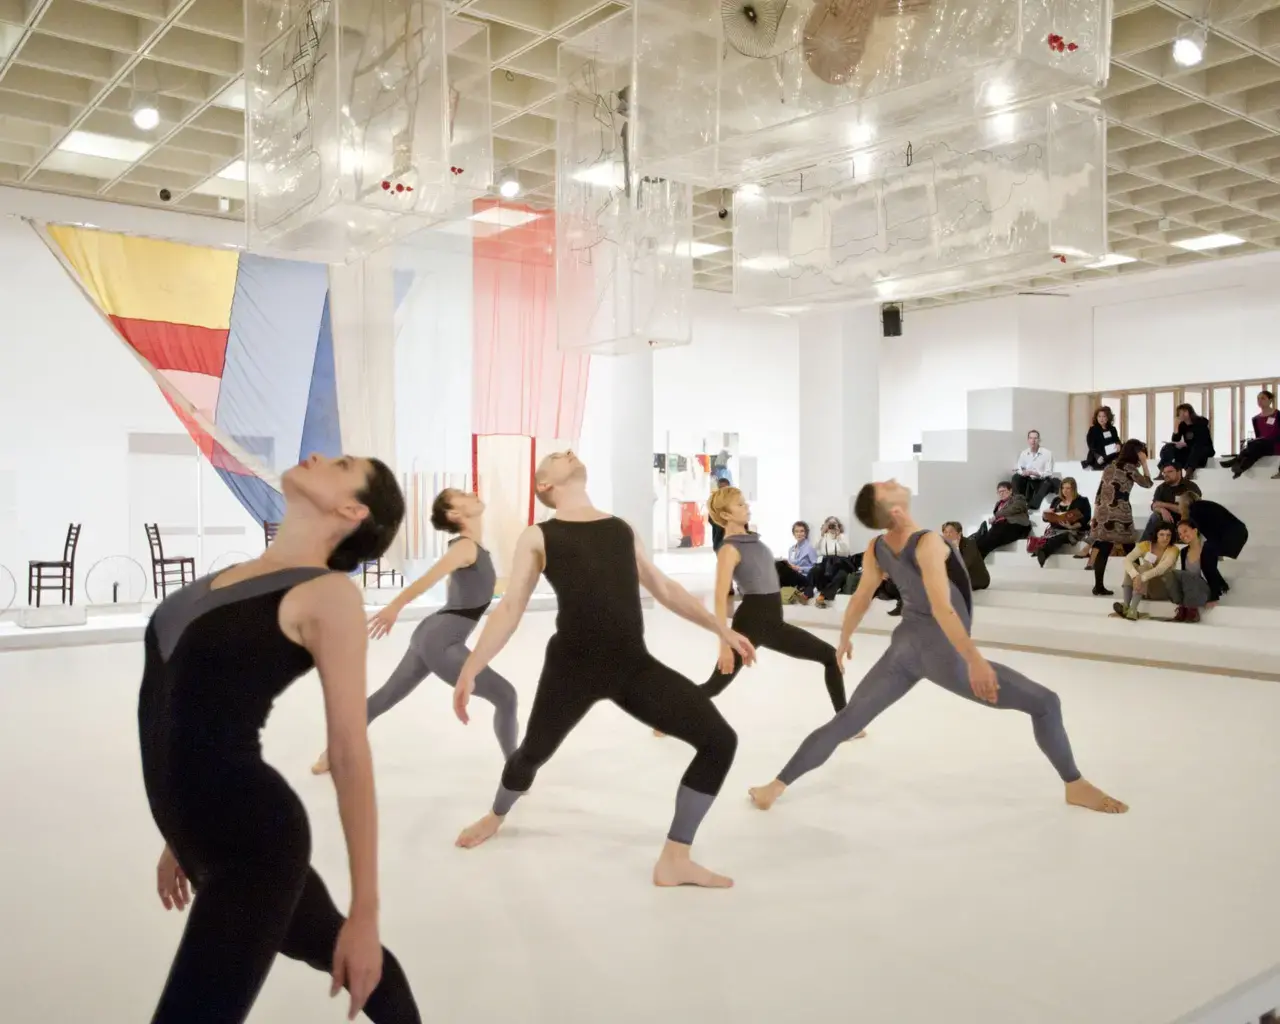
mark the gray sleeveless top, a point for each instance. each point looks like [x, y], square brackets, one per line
[471, 589]
[755, 572]
[904, 571]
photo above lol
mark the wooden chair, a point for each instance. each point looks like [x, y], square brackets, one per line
[57, 575]
[375, 570]
[269, 531]
[167, 572]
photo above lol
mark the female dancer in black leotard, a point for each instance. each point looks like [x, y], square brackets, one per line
[218, 653]
[745, 560]
[439, 643]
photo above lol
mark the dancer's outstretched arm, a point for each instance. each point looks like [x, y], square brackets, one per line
[530, 557]
[860, 602]
[668, 593]
[461, 554]
[931, 555]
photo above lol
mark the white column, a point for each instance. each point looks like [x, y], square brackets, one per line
[631, 443]
[839, 413]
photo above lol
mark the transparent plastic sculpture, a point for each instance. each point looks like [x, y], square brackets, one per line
[624, 237]
[732, 91]
[365, 120]
[1010, 195]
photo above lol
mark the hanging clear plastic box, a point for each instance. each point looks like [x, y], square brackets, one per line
[624, 237]
[365, 120]
[1012, 195]
[726, 96]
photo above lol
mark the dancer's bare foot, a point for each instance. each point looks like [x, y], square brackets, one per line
[764, 796]
[321, 767]
[473, 835]
[676, 867]
[1085, 794]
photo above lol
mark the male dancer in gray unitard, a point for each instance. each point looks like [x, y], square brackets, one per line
[932, 642]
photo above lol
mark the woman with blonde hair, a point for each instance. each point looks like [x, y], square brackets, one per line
[745, 560]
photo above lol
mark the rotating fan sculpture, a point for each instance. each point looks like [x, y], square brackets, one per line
[832, 41]
[116, 579]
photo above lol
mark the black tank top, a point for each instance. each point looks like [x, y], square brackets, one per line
[215, 662]
[592, 569]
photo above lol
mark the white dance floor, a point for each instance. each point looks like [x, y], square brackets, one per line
[930, 872]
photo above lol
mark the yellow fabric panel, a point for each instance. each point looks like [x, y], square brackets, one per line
[148, 279]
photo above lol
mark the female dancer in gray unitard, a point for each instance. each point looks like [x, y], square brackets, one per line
[932, 642]
[439, 643]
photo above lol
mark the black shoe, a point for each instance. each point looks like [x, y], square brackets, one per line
[1042, 556]
[1103, 592]
[1226, 463]
[896, 610]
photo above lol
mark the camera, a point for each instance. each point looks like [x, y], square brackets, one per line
[722, 213]
[165, 195]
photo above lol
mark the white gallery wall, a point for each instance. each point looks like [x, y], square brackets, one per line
[742, 374]
[71, 394]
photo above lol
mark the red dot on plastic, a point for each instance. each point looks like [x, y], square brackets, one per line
[399, 188]
[386, 185]
[1072, 47]
[408, 188]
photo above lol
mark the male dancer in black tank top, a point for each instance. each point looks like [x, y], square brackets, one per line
[596, 567]
[932, 643]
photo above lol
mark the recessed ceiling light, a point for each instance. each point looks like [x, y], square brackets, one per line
[861, 133]
[1111, 259]
[107, 146]
[509, 187]
[697, 250]
[750, 191]
[997, 94]
[1188, 47]
[234, 171]
[609, 174]
[765, 263]
[1209, 242]
[504, 217]
[146, 116]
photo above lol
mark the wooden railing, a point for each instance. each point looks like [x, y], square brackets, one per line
[1149, 414]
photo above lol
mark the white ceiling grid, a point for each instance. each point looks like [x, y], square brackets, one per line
[1191, 151]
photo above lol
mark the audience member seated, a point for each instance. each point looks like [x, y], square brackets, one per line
[1147, 571]
[1265, 440]
[1103, 440]
[1112, 524]
[1224, 536]
[1192, 444]
[1033, 477]
[835, 565]
[1068, 521]
[1009, 521]
[979, 578]
[1164, 503]
[797, 570]
[1192, 591]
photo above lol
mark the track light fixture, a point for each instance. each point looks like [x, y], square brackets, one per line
[1188, 46]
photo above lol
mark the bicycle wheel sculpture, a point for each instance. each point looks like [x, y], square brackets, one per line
[116, 579]
[8, 589]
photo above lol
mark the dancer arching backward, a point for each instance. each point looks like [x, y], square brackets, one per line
[439, 643]
[218, 653]
[746, 561]
[596, 568]
[932, 643]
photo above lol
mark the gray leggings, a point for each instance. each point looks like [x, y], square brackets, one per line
[924, 653]
[438, 645]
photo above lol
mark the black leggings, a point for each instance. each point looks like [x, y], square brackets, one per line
[1252, 451]
[788, 577]
[1102, 555]
[572, 682]
[759, 619]
[243, 839]
[1055, 542]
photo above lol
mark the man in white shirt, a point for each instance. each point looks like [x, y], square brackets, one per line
[1033, 476]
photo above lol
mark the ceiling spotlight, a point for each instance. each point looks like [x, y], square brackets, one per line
[1188, 47]
[146, 116]
[509, 187]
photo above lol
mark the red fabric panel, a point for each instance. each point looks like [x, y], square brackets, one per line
[522, 383]
[218, 456]
[169, 346]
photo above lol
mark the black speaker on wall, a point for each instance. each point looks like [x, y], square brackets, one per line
[891, 319]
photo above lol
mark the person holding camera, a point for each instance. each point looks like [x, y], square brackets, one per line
[834, 563]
